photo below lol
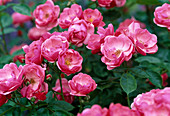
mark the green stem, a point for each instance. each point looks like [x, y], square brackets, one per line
[19, 104]
[128, 101]
[81, 105]
[61, 86]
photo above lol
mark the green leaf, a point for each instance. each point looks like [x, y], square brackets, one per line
[5, 59]
[2, 7]
[49, 98]
[139, 72]
[8, 30]
[18, 52]
[164, 1]
[6, 19]
[128, 83]
[61, 105]
[149, 2]
[43, 112]
[61, 113]
[155, 78]
[22, 8]
[149, 59]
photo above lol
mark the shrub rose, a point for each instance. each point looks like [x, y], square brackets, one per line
[46, 15]
[51, 47]
[145, 42]
[119, 110]
[10, 78]
[20, 18]
[95, 110]
[66, 91]
[153, 103]
[33, 52]
[70, 62]
[35, 33]
[94, 17]
[82, 84]
[116, 50]
[69, 15]
[162, 17]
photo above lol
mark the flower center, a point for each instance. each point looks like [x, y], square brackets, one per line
[67, 62]
[90, 20]
[32, 81]
[117, 53]
[46, 16]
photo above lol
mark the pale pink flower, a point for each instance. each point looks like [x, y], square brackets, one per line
[35, 33]
[95, 110]
[82, 84]
[116, 50]
[153, 103]
[162, 16]
[46, 15]
[119, 110]
[78, 32]
[69, 15]
[70, 62]
[145, 42]
[94, 17]
[33, 52]
[20, 18]
[51, 47]
[10, 78]
[66, 90]
[3, 2]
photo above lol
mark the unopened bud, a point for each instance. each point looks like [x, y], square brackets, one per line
[33, 99]
[48, 77]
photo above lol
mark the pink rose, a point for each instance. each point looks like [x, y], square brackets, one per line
[164, 78]
[4, 99]
[10, 78]
[145, 42]
[46, 15]
[78, 32]
[33, 52]
[51, 47]
[18, 57]
[162, 17]
[116, 50]
[70, 62]
[94, 17]
[153, 103]
[69, 15]
[3, 2]
[82, 84]
[66, 91]
[111, 3]
[119, 110]
[35, 33]
[20, 18]
[95, 110]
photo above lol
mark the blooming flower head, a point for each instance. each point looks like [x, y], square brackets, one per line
[35, 33]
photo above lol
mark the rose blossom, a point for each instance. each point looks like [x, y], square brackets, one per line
[69, 15]
[70, 62]
[66, 91]
[35, 33]
[18, 57]
[46, 15]
[145, 42]
[95, 110]
[51, 47]
[94, 17]
[78, 32]
[82, 84]
[153, 103]
[10, 78]
[119, 110]
[20, 18]
[4, 99]
[116, 50]
[162, 17]
[111, 3]
[33, 52]
[164, 78]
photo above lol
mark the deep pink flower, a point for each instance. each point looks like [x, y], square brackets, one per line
[10, 78]
[95, 110]
[78, 32]
[46, 15]
[3, 2]
[116, 50]
[145, 42]
[35, 33]
[111, 3]
[82, 84]
[66, 91]
[94, 17]
[153, 103]
[119, 110]
[164, 78]
[4, 99]
[69, 15]
[51, 47]
[33, 52]
[162, 17]
[20, 18]
[70, 62]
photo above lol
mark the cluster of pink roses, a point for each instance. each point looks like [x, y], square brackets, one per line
[153, 103]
